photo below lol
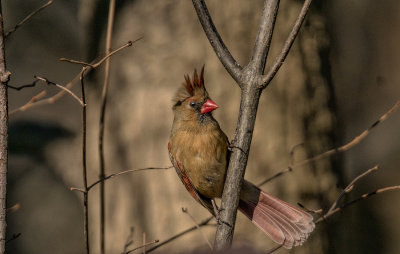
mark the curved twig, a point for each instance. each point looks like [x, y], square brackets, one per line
[28, 17]
[203, 223]
[36, 100]
[364, 196]
[216, 42]
[122, 173]
[340, 149]
[350, 187]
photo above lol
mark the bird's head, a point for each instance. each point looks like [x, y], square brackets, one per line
[192, 100]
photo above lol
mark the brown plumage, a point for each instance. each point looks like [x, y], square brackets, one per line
[198, 149]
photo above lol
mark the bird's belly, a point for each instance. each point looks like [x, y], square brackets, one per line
[207, 176]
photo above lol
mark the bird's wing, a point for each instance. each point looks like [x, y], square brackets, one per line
[180, 170]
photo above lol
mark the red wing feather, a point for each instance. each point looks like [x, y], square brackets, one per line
[180, 170]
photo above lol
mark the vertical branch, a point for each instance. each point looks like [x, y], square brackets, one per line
[102, 174]
[237, 165]
[4, 75]
[287, 46]
[84, 170]
[264, 36]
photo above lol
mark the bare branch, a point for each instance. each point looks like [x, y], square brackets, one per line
[364, 196]
[13, 208]
[84, 168]
[185, 210]
[172, 238]
[264, 36]
[125, 172]
[4, 78]
[340, 149]
[129, 241]
[76, 62]
[286, 47]
[142, 246]
[37, 99]
[274, 249]
[350, 187]
[14, 236]
[102, 174]
[48, 82]
[77, 189]
[28, 17]
[216, 42]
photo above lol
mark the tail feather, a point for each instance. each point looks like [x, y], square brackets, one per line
[284, 223]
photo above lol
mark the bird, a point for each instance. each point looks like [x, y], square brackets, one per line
[199, 151]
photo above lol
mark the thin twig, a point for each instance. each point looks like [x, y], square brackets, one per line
[129, 241]
[37, 99]
[144, 243]
[294, 148]
[274, 249]
[4, 78]
[264, 36]
[48, 82]
[76, 62]
[28, 17]
[143, 246]
[266, 79]
[216, 42]
[77, 189]
[125, 172]
[350, 187]
[14, 236]
[13, 208]
[203, 223]
[364, 196]
[84, 169]
[102, 174]
[185, 210]
[340, 149]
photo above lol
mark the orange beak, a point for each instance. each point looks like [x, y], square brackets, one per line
[208, 106]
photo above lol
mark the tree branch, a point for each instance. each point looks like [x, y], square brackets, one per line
[336, 208]
[230, 64]
[203, 223]
[4, 78]
[356, 140]
[111, 11]
[28, 17]
[84, 168]
[266, 79]
[350, 187]
[37, 99]
[264, 36]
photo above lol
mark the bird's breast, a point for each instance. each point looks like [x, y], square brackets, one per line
[203, 156]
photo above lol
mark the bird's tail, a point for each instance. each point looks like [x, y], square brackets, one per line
[283, 223]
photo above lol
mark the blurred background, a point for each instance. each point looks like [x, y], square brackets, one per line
[340, 77]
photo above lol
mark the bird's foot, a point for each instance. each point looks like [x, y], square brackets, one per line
[217, 213]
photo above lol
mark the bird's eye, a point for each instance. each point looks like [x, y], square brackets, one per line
[192, 104]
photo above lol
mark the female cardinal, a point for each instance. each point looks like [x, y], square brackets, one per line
[198, 150]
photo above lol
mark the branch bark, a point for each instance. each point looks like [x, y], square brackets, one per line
[4, 76]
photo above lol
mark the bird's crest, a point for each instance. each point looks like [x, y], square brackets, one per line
[191, 87]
